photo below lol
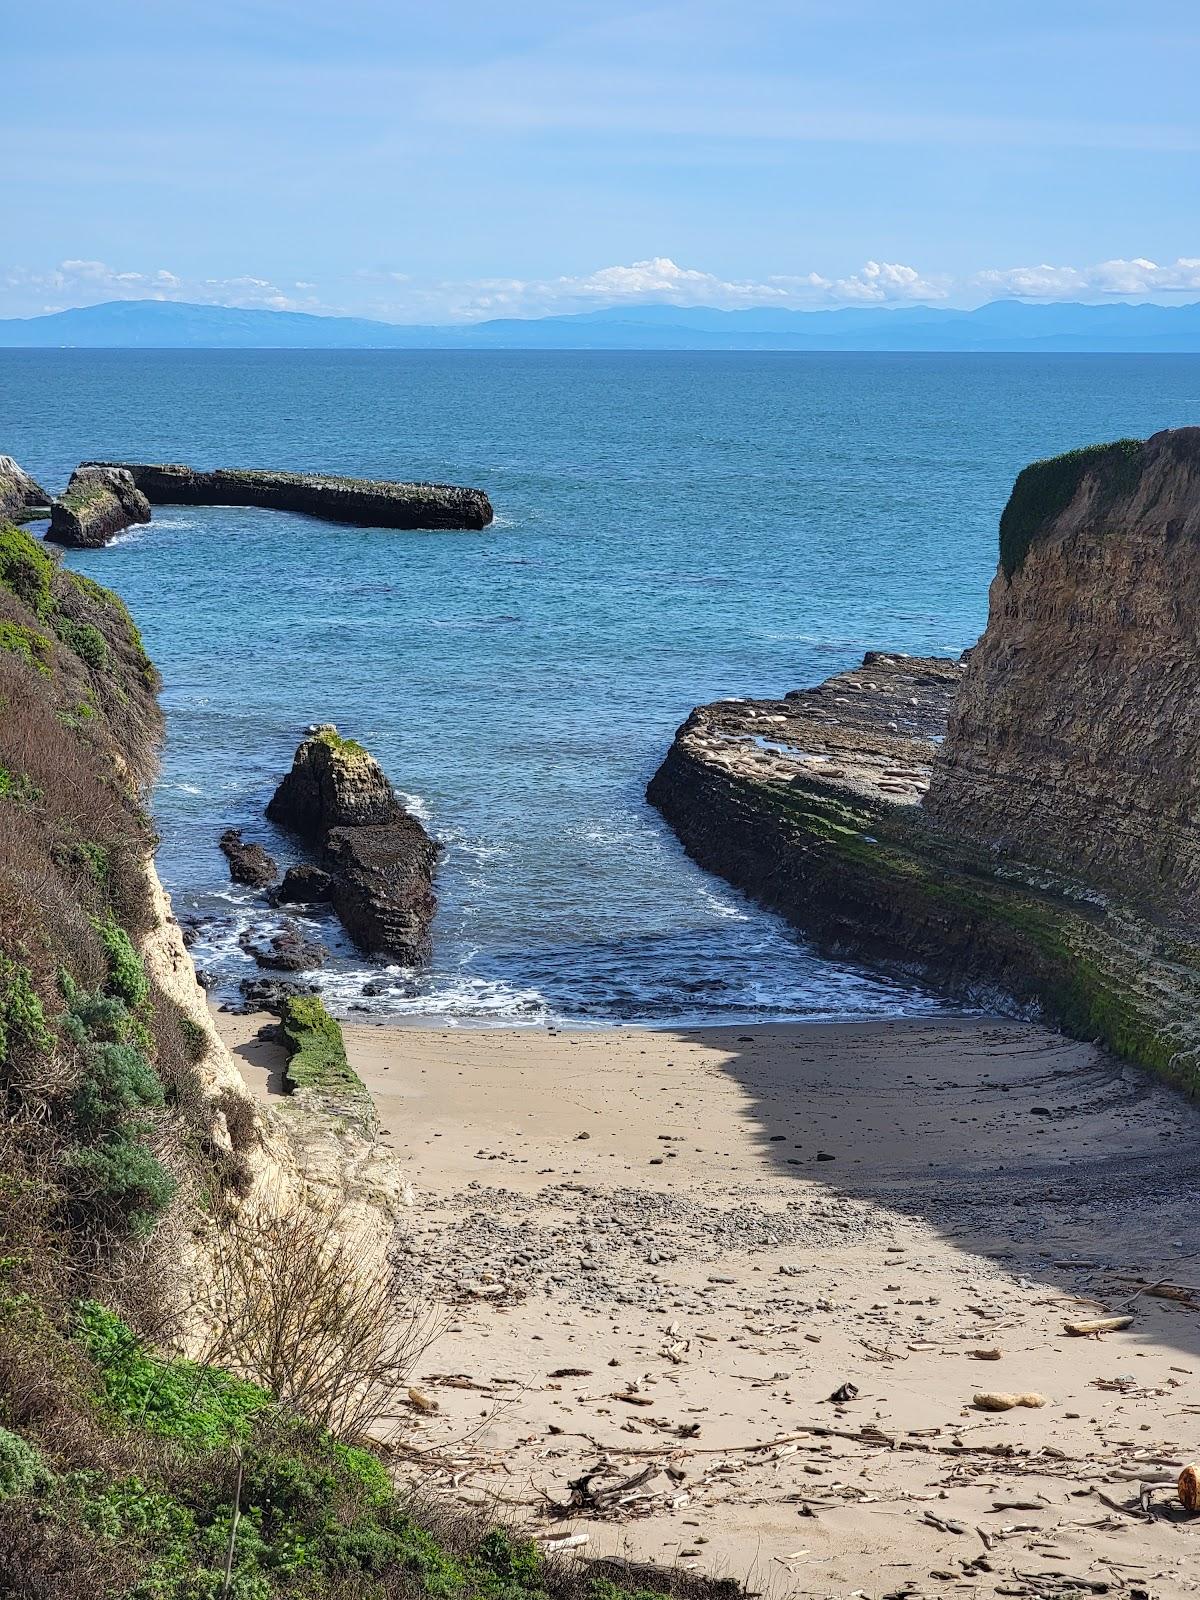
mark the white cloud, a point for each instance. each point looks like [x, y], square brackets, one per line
[398, 297]
[75, 283]
[1136, 277]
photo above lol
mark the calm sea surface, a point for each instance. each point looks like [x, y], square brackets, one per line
[671, 528]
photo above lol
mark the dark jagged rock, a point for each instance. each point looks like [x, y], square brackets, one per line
[365, 502]
[382, 888]
[99, 502]
[22, 499]
[1047, 849]
[289, 950]
[379, 858]
[269, 994]
[248, 863]
[304, 885]
[334, 783]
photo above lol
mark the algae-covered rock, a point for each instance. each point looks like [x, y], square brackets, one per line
[334, 783]
[99, 503]
[1023, 823]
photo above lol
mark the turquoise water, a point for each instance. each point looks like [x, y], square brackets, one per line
[671, 528]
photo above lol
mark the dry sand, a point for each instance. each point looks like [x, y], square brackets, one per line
[648, 1264]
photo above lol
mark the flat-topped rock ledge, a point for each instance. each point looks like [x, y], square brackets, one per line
[365, 502]
[97, 504]
[378, 860]
[1022, 823]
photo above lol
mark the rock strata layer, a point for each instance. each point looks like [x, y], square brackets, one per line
[366, 502]
[98, 503]
[22, 498]
[1020, 823]
[378, 858]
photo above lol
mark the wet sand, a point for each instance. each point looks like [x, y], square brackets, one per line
[665, 1253]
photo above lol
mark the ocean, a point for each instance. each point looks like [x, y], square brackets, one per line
[670, 529]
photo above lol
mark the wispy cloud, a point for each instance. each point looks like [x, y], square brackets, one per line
[1137, 278]
[75, 283]
[399, 296]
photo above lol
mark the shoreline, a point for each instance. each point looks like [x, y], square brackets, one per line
[667, 1249]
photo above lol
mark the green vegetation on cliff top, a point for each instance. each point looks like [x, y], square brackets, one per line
[1045, 489]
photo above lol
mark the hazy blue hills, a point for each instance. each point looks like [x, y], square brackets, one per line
[1004, 325]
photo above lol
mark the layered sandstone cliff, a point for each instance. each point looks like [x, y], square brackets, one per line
[1074, 744]
[1024, 824]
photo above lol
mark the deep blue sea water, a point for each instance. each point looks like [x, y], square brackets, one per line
[671, 528]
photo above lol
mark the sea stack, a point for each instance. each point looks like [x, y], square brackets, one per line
[98, 503]
[1024, 822]
[22, 498]
[365, 502]
[379, 858]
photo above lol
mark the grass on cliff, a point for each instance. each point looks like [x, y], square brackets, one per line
[1045, 489]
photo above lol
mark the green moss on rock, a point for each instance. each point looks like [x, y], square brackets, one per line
[1045, 489]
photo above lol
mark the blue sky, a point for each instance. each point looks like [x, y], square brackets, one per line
[433, 162]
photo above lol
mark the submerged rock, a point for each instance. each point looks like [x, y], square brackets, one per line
[99, 502]
[22, 498]
[366, 502]
[1023, 822]
[248, 863]
[289, 950]
[379, 859]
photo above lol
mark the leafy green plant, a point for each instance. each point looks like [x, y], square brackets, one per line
[22, 1017]
[126, 974]
[88, 643]
[26, 570]
[197, 1405]
[121, 1181]
[34, 647]
[21, 1466]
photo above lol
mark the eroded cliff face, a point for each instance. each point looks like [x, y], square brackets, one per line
[1024, 825]
[1074, 742]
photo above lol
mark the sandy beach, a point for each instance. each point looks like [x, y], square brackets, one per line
[758, 1275]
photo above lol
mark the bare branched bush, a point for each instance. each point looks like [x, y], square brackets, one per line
[297, 1306]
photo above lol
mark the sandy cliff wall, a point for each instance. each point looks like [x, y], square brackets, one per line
[1074, 743]
[1026, 825]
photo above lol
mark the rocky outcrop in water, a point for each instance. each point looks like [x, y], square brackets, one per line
[249, 863]
[289, 950]
[380, 860]
[22, 499]
[303, 885]
[98, 503]
[1023, 822]
[366, 502]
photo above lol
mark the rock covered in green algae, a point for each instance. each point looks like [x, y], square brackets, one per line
[98, 503]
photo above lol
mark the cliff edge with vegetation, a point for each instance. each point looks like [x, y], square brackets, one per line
[199, 1331]
[1021, 824]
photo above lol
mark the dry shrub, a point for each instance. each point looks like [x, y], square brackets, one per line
[47, 1557]
[295, 1309]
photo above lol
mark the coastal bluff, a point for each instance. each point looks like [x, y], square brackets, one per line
[1021, 823]
[363, 502]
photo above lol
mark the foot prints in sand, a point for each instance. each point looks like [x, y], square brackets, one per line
[727, 1298]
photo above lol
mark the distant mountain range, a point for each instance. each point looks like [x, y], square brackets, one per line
[1004, 325]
